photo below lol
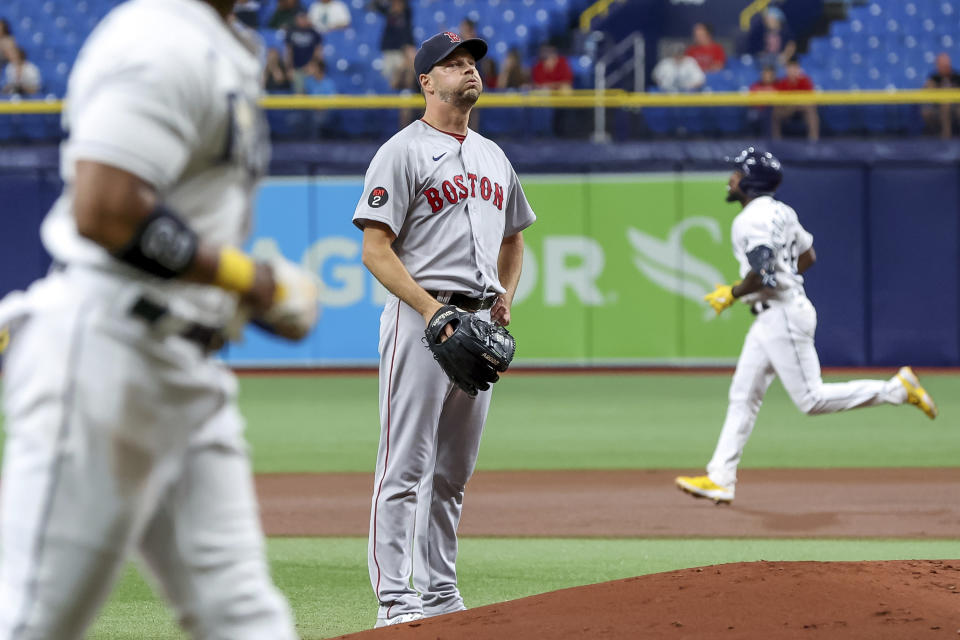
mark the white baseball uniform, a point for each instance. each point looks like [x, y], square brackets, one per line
[450, 204]
[780, 341]
[122, 432]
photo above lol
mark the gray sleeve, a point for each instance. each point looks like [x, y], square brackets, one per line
[387, 189]
[518, 215]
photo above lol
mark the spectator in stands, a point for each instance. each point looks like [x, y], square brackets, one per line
[318, 83]
[678, 71]
[758, 118]
[771, 40]
[468, 29]
[940, 118]
[6, 41]
[767, 81]
[489, 74]
[708, 54]
[248, 12]
[22, 77]
[276, 75]
[795, 80]
[329, 15]
[397, 33]
[285, 14]
[552, 71]
[405, 80]
[303, 44]
[513, 75]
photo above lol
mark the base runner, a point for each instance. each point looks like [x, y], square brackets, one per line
[774, 250]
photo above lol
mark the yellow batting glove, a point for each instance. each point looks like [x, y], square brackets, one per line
[721, 297]
[4, 339]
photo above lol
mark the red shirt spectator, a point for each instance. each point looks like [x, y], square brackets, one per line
[708, 54]
[795, 80]
[710, 57]
[552, 70]
[767, 81]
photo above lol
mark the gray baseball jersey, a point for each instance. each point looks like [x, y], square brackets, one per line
[122, 436]
[439, 197]
[451, 205]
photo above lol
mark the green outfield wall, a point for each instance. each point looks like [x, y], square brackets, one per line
[616, 268]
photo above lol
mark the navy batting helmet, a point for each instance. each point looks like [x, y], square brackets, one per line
[761, 171]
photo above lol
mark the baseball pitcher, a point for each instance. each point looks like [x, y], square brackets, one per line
[442, 213]
[774, 250]
[123, 430]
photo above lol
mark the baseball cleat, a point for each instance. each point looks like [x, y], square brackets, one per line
[704, 487]
[403, 618]
[916, 394]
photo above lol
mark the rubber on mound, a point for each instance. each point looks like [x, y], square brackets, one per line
[898, 600]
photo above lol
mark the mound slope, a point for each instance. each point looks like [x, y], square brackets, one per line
[760, 600]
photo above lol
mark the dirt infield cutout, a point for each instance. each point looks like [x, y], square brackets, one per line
[781, 503]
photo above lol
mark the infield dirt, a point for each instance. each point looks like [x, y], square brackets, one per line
[775, 503]
[897, 600]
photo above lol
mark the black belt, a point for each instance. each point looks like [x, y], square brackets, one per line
[466, 302]
[207, 338]
[758, 307]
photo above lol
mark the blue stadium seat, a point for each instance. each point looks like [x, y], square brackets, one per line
[721, 81]
[659, 120]
[496, 122]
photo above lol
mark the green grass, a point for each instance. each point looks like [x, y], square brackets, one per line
[553, 422]
[326, 578]
[597, 422]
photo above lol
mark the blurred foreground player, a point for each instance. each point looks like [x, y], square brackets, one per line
[773, 250]
[123, 430]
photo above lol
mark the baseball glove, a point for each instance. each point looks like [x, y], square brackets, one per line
[476, 352]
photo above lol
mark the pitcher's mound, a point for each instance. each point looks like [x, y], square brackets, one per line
[761, 600]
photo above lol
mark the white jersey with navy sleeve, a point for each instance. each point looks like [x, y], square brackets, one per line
[771, 223]
[122, 432]
[780, 343]
[165, 90]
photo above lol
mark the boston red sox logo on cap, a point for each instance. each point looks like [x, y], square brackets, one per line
[438, 47]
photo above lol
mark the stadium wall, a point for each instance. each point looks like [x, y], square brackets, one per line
[617, 262]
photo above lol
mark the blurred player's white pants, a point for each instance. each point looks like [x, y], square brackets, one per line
[118, 441]
[429, 439]
[780, 343]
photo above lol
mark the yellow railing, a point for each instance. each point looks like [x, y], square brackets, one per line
[598, 8]
[751, 10]
[581, 99]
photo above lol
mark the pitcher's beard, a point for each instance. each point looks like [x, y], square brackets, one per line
[463, 99]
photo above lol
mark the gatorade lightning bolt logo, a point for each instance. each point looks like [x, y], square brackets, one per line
[453, 37]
